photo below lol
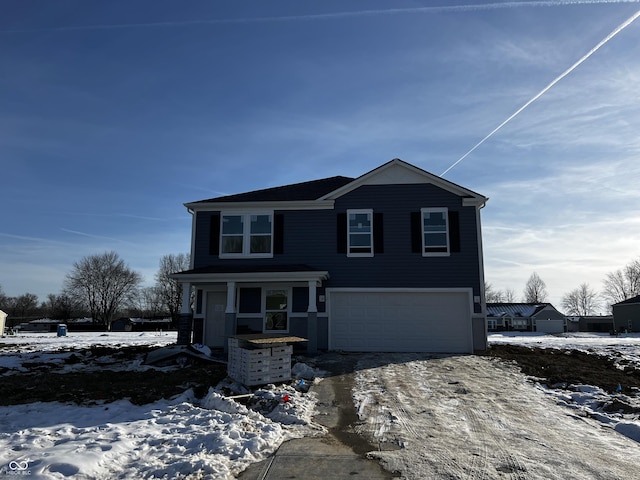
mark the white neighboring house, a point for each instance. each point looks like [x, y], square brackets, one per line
[532, 317]
[3, 318]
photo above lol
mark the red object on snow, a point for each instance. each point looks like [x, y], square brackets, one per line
[285, 398]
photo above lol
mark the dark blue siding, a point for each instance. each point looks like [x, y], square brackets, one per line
[250, 300]
[310, 237]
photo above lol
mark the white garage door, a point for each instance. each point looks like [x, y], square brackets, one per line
[400, 321]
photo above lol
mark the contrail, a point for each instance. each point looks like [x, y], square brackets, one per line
[621, 27]
[324, 16]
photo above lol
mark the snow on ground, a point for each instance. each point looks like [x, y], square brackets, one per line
[31, 347]
[477, 417]
[50, 342]
[182, 437]
[588, 399]
[623, 348]
[433, 416]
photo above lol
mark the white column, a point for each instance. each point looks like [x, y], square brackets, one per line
[313, 307]
[186, 298]
[231, 297]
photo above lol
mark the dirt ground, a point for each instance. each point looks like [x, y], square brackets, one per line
[557, 367]
[90, 385]
[43, 383]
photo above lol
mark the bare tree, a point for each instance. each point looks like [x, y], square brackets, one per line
[3, 300]
[535, 291]
[491, 295]
[170, 290]
[62, 307]
[509, 295]
[622, 284]
[149, 303]
[582, 301]
[104, 283]
[25, 305]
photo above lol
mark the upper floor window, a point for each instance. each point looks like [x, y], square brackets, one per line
[435, 231]
[360, 233]
[246, 235]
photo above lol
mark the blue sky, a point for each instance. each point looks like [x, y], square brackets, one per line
[116, 113]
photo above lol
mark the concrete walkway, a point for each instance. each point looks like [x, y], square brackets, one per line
[338, 455]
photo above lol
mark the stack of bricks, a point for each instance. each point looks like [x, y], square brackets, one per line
[259, 366]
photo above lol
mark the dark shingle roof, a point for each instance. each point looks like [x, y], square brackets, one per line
[631, 300]
[515, 309]
[296, 192]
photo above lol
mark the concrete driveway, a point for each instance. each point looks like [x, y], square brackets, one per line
[445, 417]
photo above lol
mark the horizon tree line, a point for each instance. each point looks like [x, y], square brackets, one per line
[103, 287]
[618, 286]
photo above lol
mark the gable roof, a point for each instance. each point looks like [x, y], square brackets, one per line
[398, 171]
[326, 190]
[516, 309]
[629, 301]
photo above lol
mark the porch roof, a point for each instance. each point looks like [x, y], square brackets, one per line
[252, 273]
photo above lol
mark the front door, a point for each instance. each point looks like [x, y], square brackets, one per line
[214, 323]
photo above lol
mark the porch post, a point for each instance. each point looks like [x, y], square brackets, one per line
[230, 314]
[312, 319]
[185, 318]
[186, 298]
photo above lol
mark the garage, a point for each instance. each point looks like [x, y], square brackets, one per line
[400, 321]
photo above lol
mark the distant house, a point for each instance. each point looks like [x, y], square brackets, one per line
[592, 323]
[626, 315]
[532, 317]
[389, 261]
[126, 324]
[122, 324]
[40, 325]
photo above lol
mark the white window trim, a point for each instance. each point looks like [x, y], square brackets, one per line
[444, 210]
[359, 254]
[265, 289]
[246, 234]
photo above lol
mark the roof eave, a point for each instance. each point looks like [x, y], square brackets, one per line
[300, 276]
[270, 205]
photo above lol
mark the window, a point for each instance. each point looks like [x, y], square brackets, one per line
[246, 235]
[360, 233]
[276, 310]
[435, 232]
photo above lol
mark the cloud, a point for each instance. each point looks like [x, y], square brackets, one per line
[574, 224]
[323, 16]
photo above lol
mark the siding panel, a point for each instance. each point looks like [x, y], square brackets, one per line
[311, 237]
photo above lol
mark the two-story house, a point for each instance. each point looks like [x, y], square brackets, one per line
[389, 261]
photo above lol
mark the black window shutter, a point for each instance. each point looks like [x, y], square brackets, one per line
[416, 232]
[454, 231]
[341, 240]
[278, 233]
[214, 234]
[378, 233]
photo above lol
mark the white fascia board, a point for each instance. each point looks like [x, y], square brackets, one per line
[400, 172]
[294, 205]
[282, 277]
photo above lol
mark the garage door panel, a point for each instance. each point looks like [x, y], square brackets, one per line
[400, 321]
